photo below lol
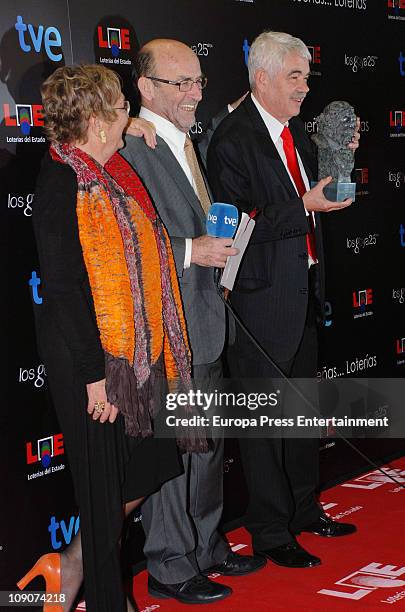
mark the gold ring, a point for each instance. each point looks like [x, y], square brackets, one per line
[99, 407]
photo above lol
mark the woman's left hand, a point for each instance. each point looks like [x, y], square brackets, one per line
[141, 128]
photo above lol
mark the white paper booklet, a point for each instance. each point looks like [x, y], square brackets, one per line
[242, 237]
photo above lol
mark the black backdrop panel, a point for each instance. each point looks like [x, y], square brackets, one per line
[356, 46]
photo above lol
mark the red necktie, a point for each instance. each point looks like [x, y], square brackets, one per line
[292, 163]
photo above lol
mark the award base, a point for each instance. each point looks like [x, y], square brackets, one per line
[337, 192]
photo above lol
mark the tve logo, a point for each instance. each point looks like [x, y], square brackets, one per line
[401, 60]
[48, 38]
[328, 314]
[402, 235]
[246, 49]
[114, 39]
[63, 530]
[34, 283]
[397, 122]
[222, 220]
[25, 116]
[44, 449]
[367, 580]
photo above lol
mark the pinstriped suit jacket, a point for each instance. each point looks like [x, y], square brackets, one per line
[271, 293]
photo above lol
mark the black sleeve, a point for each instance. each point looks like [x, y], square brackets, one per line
[233, 180]
[205, 138]
[66, 292]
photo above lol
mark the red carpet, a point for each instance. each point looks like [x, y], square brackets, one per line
[365, 571]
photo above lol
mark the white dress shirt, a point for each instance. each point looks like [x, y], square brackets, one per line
[275, 128]
[175, 140]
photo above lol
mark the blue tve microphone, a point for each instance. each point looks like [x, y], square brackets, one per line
[222, 220]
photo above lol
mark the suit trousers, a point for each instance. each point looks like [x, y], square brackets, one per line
[282, 473]
[181, 520]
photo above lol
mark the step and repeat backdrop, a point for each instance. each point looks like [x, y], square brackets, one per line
[358, 53]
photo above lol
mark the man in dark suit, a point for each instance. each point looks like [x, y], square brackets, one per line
[260, 157]
[181, 520]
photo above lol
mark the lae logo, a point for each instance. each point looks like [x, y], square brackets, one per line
[400, 346]
[62, 531]
[315, 54]
[25, 116]
[397, 122]
[367, 580]
[44, 449]
[41, 38]
[114, 39]
[362, 299]
[374, 480]
[361, 176]
[395, 9]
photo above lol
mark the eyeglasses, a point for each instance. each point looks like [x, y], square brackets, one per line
[184, 85]
[126, 107]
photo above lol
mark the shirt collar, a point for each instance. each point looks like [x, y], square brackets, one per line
[164, 128]
[272, 124]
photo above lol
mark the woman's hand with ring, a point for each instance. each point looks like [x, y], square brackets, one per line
[98, 405]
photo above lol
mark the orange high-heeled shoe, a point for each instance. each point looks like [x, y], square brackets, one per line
[47, 566]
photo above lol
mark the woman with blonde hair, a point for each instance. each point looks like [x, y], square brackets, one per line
[111, 330]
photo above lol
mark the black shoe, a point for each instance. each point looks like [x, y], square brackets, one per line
[290, 555]
[328, 528]
[197, 590]
[237, 565]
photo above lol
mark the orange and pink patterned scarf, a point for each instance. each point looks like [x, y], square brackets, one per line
[134, 285]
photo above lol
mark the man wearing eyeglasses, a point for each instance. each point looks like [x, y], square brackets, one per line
[181, 520]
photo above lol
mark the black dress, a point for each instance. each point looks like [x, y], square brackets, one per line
[108, 467]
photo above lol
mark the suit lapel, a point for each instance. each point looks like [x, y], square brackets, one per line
[306, 155]
[268, 147]
[169, 164]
